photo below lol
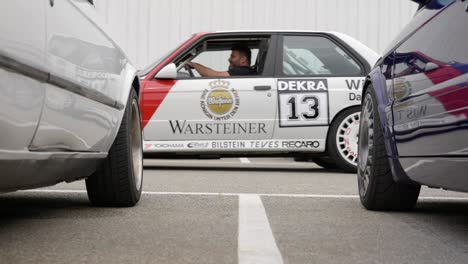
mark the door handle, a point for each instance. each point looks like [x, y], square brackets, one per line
[262, 88]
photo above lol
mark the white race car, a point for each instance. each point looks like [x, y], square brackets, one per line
[69, 101]
[298, 95]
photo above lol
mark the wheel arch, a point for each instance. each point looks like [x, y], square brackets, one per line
[131, 81]
[332, 148]
[329, 131]
[337, 115]
[136, 84]
[376, 81]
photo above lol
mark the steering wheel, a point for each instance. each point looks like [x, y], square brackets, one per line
[189, 70]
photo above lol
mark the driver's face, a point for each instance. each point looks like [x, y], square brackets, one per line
[236, 59]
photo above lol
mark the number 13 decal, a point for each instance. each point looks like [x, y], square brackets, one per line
[311, 101]
[303, 109]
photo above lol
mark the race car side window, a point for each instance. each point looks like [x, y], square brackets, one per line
[214, 53]
[316, 56]
[218, 60]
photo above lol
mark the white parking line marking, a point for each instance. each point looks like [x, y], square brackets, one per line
[256, 243]
[259, 194]
[290, 195]
[244, 160]
[417, 164]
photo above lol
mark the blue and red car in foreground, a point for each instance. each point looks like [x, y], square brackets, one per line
[414, 119]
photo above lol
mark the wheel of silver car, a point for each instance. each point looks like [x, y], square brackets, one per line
[377, 189]
[342, 139]
[136, 143]
[118, 180]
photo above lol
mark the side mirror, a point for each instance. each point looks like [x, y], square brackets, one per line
[430, 66]
[167, 72]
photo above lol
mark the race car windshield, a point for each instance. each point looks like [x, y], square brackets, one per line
[149, 68]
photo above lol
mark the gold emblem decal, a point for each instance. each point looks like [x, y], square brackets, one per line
[220, 102]
[401, 89]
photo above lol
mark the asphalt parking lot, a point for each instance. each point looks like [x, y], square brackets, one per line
[249, 210]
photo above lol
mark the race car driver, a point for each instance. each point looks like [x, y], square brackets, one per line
[239, 64]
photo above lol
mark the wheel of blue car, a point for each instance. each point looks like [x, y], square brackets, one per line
[377, 189]
[118, 180]
[342, 139]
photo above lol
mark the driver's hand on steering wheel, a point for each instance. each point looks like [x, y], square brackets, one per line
[189, 64]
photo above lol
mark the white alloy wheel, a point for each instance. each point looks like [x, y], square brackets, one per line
[343, 138]
[347, 138]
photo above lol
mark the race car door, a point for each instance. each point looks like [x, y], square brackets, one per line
[317, 78]
[237, 108]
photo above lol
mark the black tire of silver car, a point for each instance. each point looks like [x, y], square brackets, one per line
[377, 189]
[325, 162]
[343, 157]
[118, 180]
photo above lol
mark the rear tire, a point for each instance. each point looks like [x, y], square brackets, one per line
[118, 180]
[377, 189]
[342, 139]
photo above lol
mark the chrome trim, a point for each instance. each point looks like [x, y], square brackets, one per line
[84, 91]
[35, 73]
[6, 155]
[41, 75]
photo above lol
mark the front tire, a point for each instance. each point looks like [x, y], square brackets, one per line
[118, 180]
[377, 189]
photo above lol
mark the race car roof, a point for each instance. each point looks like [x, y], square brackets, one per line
[367, 53]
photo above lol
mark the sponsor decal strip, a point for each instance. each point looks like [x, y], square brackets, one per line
[302, 144]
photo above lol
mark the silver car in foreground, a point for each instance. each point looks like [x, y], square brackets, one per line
[69, 103]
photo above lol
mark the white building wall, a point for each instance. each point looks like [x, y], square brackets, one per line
[146, 29]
